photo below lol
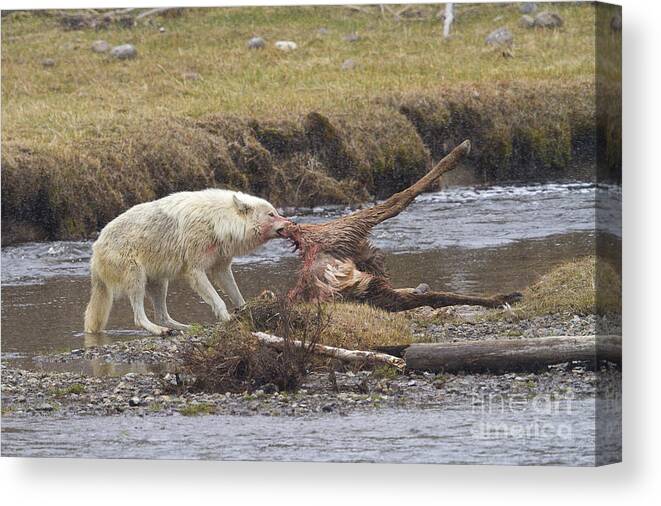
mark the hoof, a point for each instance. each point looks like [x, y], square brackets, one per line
[170, 333]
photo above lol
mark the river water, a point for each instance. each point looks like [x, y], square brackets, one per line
[480, 240]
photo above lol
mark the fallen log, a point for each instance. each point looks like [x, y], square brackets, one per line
[512, 355]
[351, 356]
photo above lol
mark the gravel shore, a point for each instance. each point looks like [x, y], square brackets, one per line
[47, 392]
[68, 394]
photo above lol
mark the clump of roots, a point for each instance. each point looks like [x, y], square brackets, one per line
[232, 359]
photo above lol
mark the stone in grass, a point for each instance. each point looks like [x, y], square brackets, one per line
[527, 7]
[527, 21]
[548, 19]
[100, 46]
[48, 62]
[124, 52]
[256, 43]
[286, 45]
[348, 64]
[499, 37]
[191, 76]
[135, 402]
[351, 37]
[44, 406]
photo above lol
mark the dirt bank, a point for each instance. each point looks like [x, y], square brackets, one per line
[520, 132]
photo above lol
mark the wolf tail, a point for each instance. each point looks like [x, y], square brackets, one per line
[98, 309]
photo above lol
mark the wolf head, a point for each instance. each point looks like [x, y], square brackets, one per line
[268, 224]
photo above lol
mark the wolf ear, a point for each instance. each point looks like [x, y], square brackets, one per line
[240, 205]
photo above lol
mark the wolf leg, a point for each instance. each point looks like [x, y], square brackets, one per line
[157, 290]
[226, 281]
[136, 292]
[200, 283]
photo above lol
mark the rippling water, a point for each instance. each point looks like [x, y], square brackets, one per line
[555, 434]
[468, 218]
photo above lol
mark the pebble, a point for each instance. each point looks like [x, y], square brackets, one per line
[100, 46]
[351, 37]
[348, 64]
[286, 45]
[48, 62]
[256, 43]
[190, 76]
[527, 7]
[124, 52]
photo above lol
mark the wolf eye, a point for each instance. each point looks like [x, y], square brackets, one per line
[272, 214]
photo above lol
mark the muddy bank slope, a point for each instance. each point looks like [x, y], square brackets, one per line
[520, 132]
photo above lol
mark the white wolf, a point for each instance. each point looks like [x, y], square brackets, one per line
[187, 234]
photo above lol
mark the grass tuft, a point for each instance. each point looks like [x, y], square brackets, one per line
[585, 286]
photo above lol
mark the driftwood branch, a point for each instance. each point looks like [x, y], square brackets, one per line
[352, 356]
[448, 19]
[511, 355]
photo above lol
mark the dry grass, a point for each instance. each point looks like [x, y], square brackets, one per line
[585, 286]
[90, 137]
[349, 325]
[86, 94]
[231, 359]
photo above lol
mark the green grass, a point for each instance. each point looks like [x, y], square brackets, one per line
[87, 94]
[588, 285]
[197, 409]
[76, 388]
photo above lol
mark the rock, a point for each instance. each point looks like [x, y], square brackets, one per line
[351, 37]
[527, 7]
[527, 21]
[126, 21]
[48, 62]
[548, 19]
[100, 46]
[616, 23]
[269, 388]
[422, 288]
[348, 64]
[190, 76]
[286, 45]
[162, 29]
[327, 408]
[134, 401]
[44, 406]
[323, 31]
[124, 52]
[499, 37]
[77, 21]
[256, 43]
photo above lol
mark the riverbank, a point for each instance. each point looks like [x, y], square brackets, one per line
[169, 392]
[300, 130]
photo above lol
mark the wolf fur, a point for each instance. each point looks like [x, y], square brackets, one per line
[193, 235]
